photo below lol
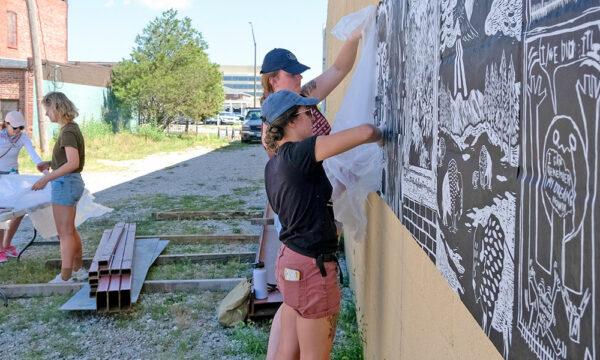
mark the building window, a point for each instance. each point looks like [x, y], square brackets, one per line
[12, 29]
[7, 106]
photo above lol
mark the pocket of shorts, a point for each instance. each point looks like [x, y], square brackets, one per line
[75, 189]
[294, 293]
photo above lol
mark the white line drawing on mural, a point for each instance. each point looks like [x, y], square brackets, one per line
[540, 300]
[505, 16]
[493, 264]
[494, 112]
[575, 313]
[390, 17]
[475, 179]
[419, 113]
[485, 168]
[560, 144]
[441, 151]
[538, 9]
[452, 196]
[456, 29]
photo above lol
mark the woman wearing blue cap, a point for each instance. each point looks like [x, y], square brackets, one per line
[282, 71]
[299, 191]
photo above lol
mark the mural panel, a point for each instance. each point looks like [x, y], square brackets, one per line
[492, 161]
[556, 287]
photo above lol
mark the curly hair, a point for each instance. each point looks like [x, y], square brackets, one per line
[276, 131]
[61, 103]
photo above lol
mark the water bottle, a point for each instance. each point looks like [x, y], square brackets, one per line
[259, 280]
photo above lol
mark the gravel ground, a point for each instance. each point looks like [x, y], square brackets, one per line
[159, 326]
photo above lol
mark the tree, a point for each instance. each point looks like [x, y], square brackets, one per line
[169, 74]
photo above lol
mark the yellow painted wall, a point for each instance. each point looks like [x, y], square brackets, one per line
[406, 308]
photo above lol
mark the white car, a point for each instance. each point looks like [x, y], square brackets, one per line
[229, 118]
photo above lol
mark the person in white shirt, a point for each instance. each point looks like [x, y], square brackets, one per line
[12, 139]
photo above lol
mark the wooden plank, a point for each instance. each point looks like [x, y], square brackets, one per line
[93, 267]
[159, 286]
[205, 258]
[204, 239]
[115, 263]
[29, 290]
[174, 259]
[268, 247]
[111, 244]
[128, 255]
[262, 221]
[166, 286]
[205, 215]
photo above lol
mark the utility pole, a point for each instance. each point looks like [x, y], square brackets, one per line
[254, 40]
[37, 71]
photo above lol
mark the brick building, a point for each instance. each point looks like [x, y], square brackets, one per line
[16, 65]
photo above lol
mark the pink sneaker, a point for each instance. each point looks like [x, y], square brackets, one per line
[11, 251]
[2, 256]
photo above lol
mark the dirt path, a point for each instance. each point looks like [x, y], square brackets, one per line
[196, 172]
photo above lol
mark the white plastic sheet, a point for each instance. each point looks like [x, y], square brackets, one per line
[356, 173]
[16, 193]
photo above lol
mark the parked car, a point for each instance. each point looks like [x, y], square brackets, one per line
[252, 126]
[229, 118]
[212, 120]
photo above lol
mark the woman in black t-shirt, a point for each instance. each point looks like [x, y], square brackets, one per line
[299, 191]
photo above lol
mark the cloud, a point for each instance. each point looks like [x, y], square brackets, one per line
[166, 4]
[126, 2]
[109, 3]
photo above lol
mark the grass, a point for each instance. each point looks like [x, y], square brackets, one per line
[101, 144]
[349, 341]
[188, 270]
[251, 339]
[26, 271]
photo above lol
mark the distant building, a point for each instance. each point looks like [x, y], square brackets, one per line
[238, 101]
[16, 68]
[240, 79]
[85, 83]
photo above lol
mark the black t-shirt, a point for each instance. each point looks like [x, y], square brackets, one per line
[300, 193]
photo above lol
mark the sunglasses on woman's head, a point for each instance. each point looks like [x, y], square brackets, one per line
[18, 127]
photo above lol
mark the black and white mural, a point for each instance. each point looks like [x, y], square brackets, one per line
[491, 162]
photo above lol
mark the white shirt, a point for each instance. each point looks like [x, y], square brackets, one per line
[9, 161]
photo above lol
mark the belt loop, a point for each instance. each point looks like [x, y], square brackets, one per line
[321, 266]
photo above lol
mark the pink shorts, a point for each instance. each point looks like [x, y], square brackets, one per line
[313, 296]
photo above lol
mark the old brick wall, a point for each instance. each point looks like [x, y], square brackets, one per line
[52, 31]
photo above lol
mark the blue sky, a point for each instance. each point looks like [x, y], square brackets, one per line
[104, 30]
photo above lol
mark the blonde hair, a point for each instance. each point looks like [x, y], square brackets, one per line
[266, 84]
[61, 103]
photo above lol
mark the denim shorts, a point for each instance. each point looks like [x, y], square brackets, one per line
[67, 189]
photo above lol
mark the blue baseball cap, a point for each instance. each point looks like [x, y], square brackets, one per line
[282, 59]
[280, 101]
